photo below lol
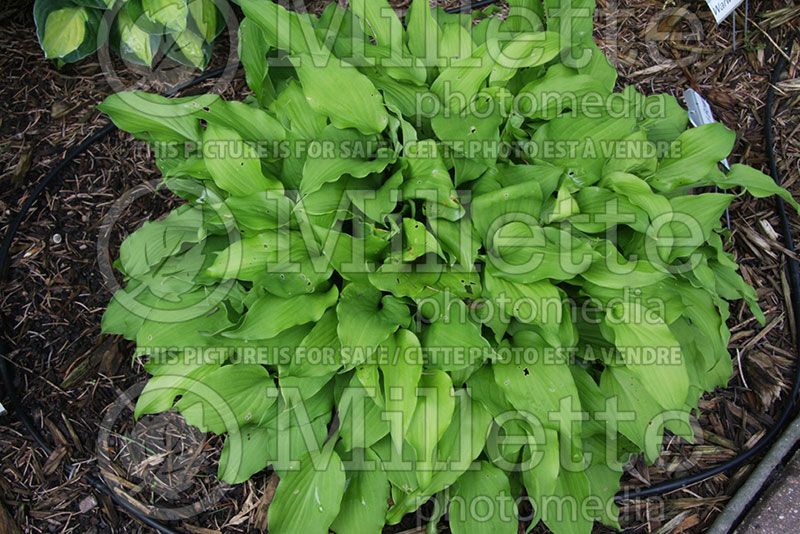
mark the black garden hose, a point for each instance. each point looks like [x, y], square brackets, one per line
[794, 294]
[652, 491]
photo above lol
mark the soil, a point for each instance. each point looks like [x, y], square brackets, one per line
[74, 380]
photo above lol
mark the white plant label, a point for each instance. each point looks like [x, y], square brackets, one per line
[700, 112]
[699, 109]
[722, 8]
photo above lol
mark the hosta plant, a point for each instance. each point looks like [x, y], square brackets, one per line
[140, 31]
[442, 261]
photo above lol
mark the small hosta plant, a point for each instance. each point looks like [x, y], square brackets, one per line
[443, 261]
[140, 31]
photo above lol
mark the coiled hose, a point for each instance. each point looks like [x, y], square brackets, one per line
[642, 493]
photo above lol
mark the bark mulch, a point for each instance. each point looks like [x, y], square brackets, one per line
[74, 380]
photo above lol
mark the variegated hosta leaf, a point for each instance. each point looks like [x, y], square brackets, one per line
[64, 31]
[69, 31]
[172, 14]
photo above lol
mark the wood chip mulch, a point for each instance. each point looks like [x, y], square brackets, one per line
[73, 379]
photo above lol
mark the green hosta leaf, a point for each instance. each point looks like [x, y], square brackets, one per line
[269, 315]
[380, 21]
[696, 217]
[418, 241]
[423, 31]
[283, 29]
[477, 127]
[289, 431]
[756, 183]
[611, 270]
[520, 202]
[427, 177]
[462, 442]
[403, 95]
[431, 418]
[322, 79]
[264, 210]
[560, 89]
[75, 29]
[309, 499]
[604, 484]
[244, 453]
[253, 124]
[693, 155]
[352, 153]
[529, 254]
[401, 373]
[362, 419]
[539, 387]
[574, 21]
[603, 209]
[154, 117]
[464, 77]
[292, 110]
[459, 240]
[707, 314]
[536, 303]
[249, 258]
[377, 204]
[641, 160]
[64, 31]
[367, 317]
[572, 488]
[587, 140]
[157, 240]
[168, 381]
[526, 50]
[729, 283]
[365, 499]
[541, 471]
[188, 322]
[406, 280]
[457, 449]
[454, 41]
[524, 15]
[669, 120]
[600, 68]
[233, 164]
[253, 49]
[638, 192]
[171, 13]
[482, 503]
[629, 395]
[639, 336]
[167, 319]
[323, 338]
[454, 341]
[229, 398]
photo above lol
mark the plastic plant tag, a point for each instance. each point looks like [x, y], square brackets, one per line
[700, 113]
[722, 8]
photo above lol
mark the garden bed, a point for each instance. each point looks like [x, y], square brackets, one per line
[57, 294]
